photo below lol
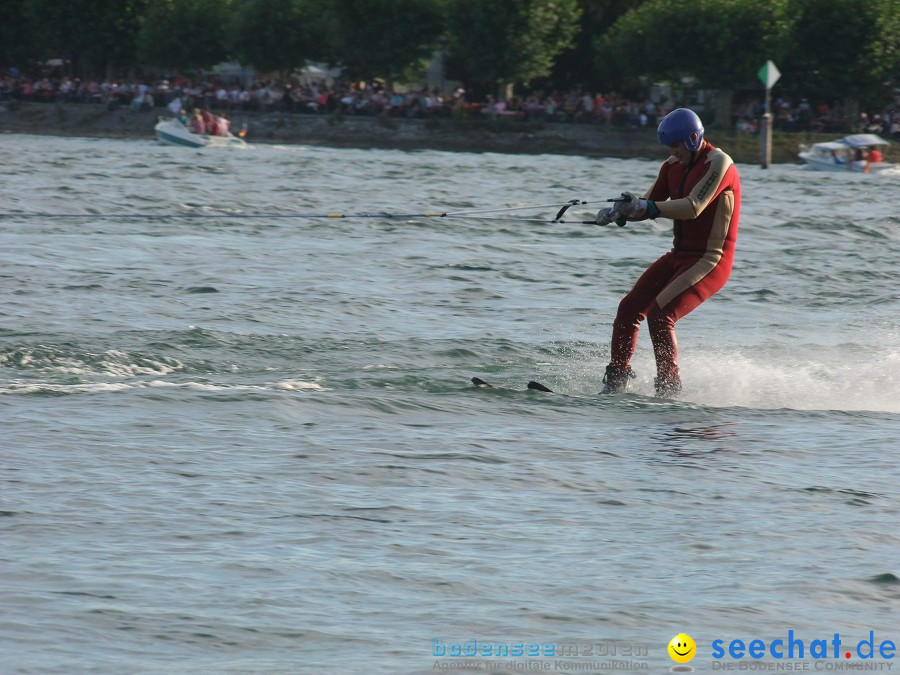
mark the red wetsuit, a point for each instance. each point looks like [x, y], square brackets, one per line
[704, 199]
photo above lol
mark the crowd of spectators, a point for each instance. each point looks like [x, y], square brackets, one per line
[803, 116]
[350, 98]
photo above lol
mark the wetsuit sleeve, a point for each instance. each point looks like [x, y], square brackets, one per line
[706, 190]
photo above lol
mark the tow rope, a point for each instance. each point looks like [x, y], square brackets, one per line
[469, 213]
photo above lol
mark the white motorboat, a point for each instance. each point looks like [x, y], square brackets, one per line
[862, 153]
[173, 132]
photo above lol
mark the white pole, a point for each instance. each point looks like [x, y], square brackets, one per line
[765, 133]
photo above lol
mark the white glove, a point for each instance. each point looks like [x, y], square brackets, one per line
[606, 216]
[632, 207]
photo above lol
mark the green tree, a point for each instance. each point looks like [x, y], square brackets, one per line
[885, 50]
[17, 35]
[382, 38]
[185, 34]
[496, 42]
[843, 50]
[91, 35]
[720, 44]
[276, 34]
[574, 66]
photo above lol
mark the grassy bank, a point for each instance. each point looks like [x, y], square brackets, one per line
[746, 149]
[464, 135]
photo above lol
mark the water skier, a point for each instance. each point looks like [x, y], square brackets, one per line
[699, 188]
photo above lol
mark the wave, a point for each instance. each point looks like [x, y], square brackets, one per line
[846, 377]
[22, 387]
[70, 360]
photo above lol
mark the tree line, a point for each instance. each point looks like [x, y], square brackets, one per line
[827, 50]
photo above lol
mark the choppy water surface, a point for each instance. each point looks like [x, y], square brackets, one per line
[250, 444]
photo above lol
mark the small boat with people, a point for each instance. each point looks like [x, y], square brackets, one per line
[862, 153]
[172, 131]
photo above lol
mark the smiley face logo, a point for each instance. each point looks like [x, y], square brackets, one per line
[682, 648]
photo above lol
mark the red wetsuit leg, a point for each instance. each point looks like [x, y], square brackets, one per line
[634, 307]
[665, 344]
[693, 283]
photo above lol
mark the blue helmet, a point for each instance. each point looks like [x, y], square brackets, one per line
[681, 124]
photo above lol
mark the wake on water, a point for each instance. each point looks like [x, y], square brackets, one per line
[809, 380]
[797, 377]
[802, 378]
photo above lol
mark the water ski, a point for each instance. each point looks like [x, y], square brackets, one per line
[537, 386]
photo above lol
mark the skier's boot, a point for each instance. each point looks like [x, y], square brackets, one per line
[616, 379]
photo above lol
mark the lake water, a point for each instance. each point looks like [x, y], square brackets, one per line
[250, 444]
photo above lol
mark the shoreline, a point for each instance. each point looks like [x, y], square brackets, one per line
[475, 135]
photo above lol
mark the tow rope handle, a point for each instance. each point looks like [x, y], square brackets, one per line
[569, 204]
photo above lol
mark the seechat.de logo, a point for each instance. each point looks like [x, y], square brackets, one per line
[796, 648]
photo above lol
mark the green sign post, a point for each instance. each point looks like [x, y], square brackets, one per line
[769, 75]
